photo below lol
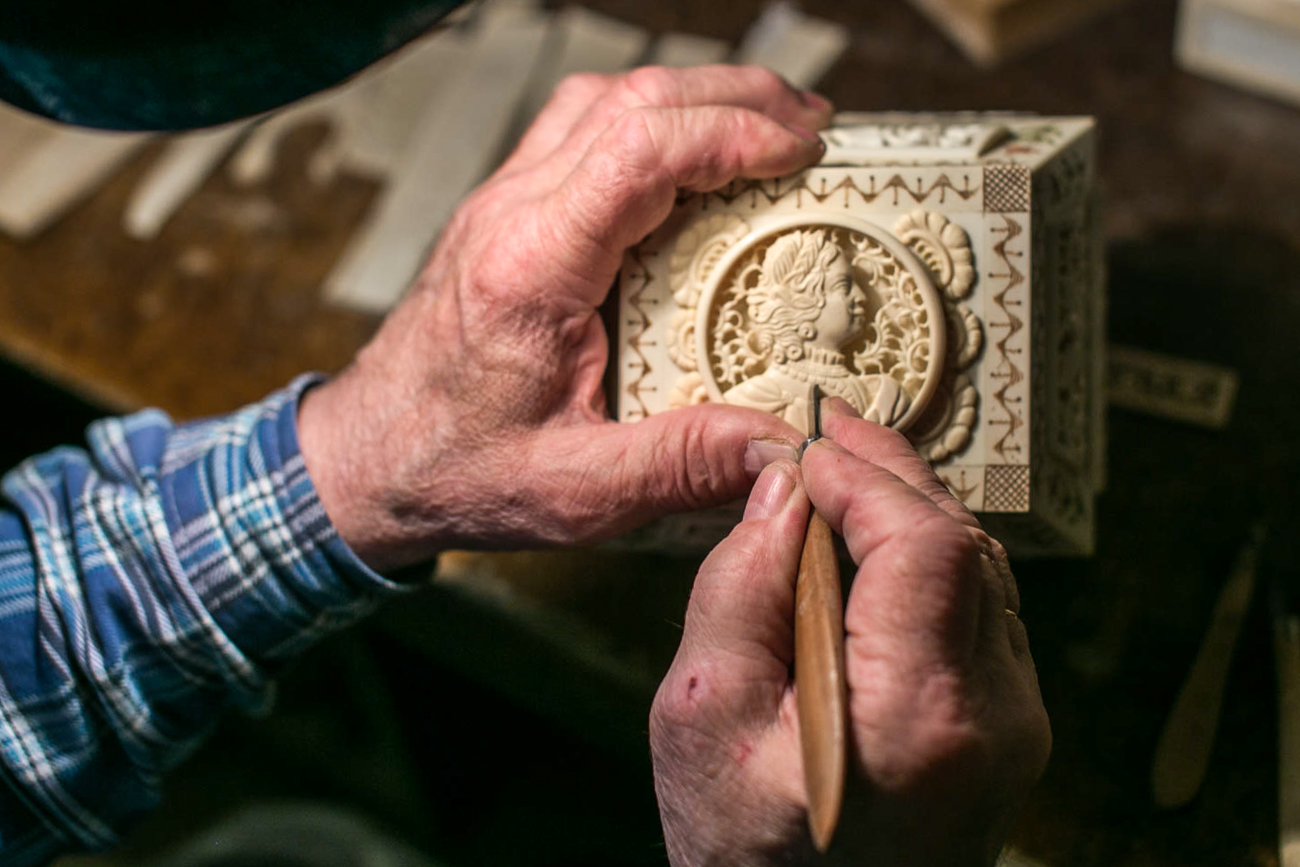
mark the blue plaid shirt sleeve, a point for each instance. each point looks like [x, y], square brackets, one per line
[146, 584]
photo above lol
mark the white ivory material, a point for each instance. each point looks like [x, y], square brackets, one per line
[56, 172]
[371, 118]
[585, 41]
[177, 174]
[454, 144]
[798, 47]
[688, 49]
[1254, 44]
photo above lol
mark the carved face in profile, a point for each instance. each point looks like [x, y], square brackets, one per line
[806, 297]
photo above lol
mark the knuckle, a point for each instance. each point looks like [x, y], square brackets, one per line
[581, 87]
[895, 441]
[682, 704]
[745, 551]
[937, 545]
[997, 552]
[983, 541]
[765, 80]
[694, 482]
[965, 550]
[673, 707]
[633, 142]
[653, 85]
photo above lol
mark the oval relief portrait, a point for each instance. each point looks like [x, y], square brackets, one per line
[844, 305]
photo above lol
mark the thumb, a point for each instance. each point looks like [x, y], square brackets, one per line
[685, 459]
[738, 638]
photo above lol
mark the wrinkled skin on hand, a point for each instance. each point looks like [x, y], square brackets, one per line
[476, 416]
[946, 725]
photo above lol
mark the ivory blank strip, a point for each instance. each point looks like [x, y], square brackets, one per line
[795, 46]
[588, 42]
[371, 118]
[51, 178]
[688, 49]
[451, 149]
[181, 169]
[1254, 44]
[20, 134]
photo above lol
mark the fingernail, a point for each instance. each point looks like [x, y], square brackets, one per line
[816, 101]
[761, 452]
[839, 406]
[771, 492]
[805, 134]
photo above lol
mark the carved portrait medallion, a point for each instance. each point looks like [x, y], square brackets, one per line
[842, 304]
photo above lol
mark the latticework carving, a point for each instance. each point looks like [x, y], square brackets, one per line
[1006, 488]
[1006, 189]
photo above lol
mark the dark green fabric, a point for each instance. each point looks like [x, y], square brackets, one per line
[183, 64]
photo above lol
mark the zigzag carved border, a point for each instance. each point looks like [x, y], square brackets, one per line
[1007, 369]
[896, 185]
[637, 329]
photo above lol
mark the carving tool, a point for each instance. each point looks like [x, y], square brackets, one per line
[820, 687]
[1183, 751]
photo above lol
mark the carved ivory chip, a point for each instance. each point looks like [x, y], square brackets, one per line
[939, 273]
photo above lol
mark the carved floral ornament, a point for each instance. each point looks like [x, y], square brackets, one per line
[873, 318]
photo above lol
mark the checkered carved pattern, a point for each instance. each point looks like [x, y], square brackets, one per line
[1006, 189]
[1006, 488]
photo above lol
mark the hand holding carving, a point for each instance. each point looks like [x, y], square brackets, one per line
[948, 727]
[476, 416]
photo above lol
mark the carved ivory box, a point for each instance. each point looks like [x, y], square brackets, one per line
[941, 273]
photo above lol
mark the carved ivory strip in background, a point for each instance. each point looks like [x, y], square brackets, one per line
[797, 47]
[586, 41]
[178, 172]
[1173, 388]
[940, 273]
[20, 134]
[990, 31]
[56, 172]
[1254, 44]
[453, 146]
[688, 49]
[371, 118]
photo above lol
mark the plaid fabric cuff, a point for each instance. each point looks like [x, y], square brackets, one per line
[146, 585]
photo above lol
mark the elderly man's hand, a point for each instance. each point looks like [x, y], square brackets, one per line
[946, 725]
[476, 416]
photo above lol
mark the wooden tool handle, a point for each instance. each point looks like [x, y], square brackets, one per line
[1286, 643]
[819, 679]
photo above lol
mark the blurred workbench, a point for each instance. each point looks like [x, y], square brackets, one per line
[1202, 187]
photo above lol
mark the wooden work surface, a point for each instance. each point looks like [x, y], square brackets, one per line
[1203, 219]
